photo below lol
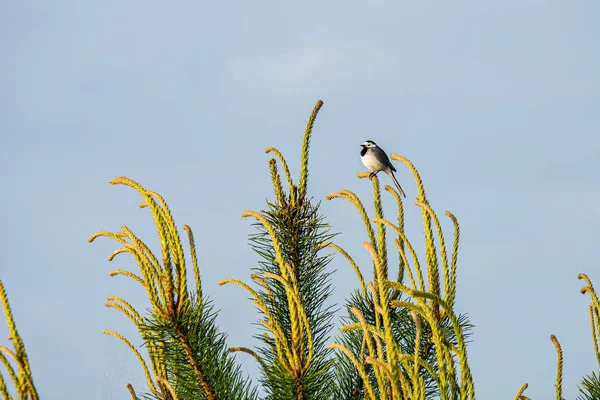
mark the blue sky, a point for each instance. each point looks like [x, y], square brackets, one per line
[496, 103]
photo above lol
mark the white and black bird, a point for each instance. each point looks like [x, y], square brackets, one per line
[375, 159]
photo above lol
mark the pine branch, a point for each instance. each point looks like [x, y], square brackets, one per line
[380, 329]
[187, 351]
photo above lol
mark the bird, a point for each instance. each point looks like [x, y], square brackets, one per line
[375, 159]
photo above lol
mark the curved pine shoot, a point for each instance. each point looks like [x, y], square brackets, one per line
[305, 146]
[594, 310]
[21, 376]
[590, 385]
[559, 367]
[521, 390]
[275, 176]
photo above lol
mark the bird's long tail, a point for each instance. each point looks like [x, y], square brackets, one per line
[391, 174]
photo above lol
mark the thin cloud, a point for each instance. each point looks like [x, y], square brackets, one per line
[311, 66]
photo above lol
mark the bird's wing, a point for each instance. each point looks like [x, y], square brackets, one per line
[386, 160]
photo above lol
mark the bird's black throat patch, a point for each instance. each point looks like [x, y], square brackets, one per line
[363, 151]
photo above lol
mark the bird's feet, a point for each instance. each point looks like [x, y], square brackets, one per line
[372, 174]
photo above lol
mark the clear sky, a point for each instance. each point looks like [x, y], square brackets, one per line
[496, 102]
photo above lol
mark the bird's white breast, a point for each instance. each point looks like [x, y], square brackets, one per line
[371, 162]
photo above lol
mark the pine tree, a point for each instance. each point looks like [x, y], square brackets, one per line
[293, 288]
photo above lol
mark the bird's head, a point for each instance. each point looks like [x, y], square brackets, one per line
[369, 144]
